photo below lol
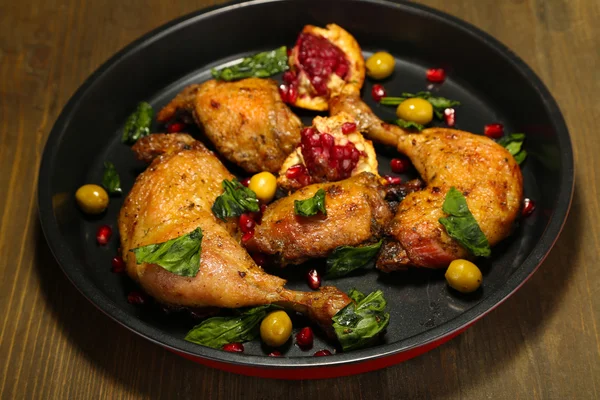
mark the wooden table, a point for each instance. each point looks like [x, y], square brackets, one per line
[541, 343]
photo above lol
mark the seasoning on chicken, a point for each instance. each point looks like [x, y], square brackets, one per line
[356, 214]
[483, 171]
[245, 120]
[173, 197]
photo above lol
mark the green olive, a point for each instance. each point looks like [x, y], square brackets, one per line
[92, 199]
[380, 65]
[276, 328]
[463, 276]
[416, 110]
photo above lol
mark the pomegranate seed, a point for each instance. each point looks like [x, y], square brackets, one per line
[289, 77]
[298, 173]
[234, 347]
[436, 75]
[136, 298]
[305, 338]
[175, 127]
[493, 131]
[378, 92]
[528, 207]
[322, 353]
[314, 279]
[449, 116]
[247, 236]
[259, 258]
[393, 180]
[292, 94]
[245, 181]
[348, 127]
[275, 354]
[246, 223]
[118, 265]
[289, 52]
[103, 234]
[283, 92]
[399, 165]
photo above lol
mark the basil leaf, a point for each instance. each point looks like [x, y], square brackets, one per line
[180, 256]
[409, 125]
[462, 226]
[110, 178]
[218, 331]
[236, 200]
[260, 65]
[138, 123]
[439, 103]
[514, 143]
[359, 323]
[312, 206]
[346, 259]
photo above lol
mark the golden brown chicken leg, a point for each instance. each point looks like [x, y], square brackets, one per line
[246, 121]
[173, 197]
[485, 172]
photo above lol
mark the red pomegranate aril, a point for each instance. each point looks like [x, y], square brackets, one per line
[322, 353]
[103, 234]
[118, 265]
[393, 180]
[449, 116]
[399, 165]
[436, 75]
[175, 127]
[136, 298]
[305, 338]
[292, 94]
[247, 236]
[348, 127]
[234, 347]
[528, 207]
[247, 224]
[259, 258]
[289, 77]
[314, 279]
[245, 181]
[283, 92]
[275, 354]
[378, 92]
[493, 131]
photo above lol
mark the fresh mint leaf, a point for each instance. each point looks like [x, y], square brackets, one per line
[110, 178]
[236, 200]
[218, 331]
[346, 259]
[514, 144]
[138, 123]
[361, 322]
[180, 256]
[312, 206]
[409, 124]
[462, 226]
[356, 295]
[439, 104]
[260, 65]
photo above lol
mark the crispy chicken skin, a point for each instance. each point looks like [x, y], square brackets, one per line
[173, 197]
[356, 213]
[245, 120]
[485, 172]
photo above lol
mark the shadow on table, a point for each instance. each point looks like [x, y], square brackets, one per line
[449, 370]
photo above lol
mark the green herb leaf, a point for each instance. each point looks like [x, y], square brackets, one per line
[217, 331]
[236, 200]
[110, 178]
[260, 65]
[346, 259]
[462, 226]
[359, 323]
[356, 295]
[138, 123]
[439, 103]
[409, 124]
[514, 144]
[312, 206]
[180, 256]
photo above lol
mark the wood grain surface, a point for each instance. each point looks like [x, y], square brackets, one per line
[542, 343]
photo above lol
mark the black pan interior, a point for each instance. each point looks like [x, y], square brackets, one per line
[492, 84]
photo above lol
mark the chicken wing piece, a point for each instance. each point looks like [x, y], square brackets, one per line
[173, 197]
[485, 172]
[356, 213]
[245, 120]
